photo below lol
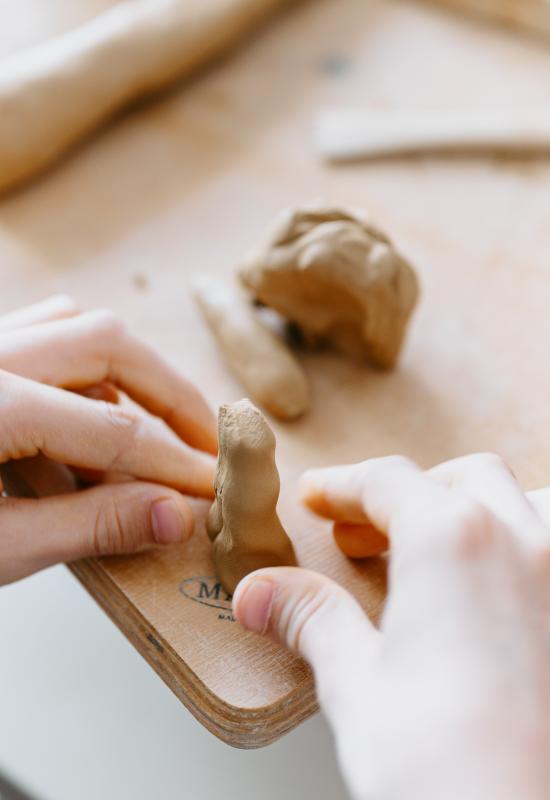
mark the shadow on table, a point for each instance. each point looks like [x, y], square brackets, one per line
[9, 791]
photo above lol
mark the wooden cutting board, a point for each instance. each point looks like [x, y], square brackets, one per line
[189, 183]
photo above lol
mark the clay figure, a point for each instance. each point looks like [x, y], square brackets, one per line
[243, 523]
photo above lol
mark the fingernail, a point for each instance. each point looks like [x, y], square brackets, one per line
[253, 604]
[168, 522]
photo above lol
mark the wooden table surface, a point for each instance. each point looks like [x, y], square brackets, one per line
[189, 182]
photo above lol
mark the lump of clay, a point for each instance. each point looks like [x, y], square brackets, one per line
[260, 360]
[243, 522]
[339, 279]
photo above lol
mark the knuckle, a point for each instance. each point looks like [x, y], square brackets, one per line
[66, 301]
[121, 417]
[114, 529]
[107, 530]
[305, 613]
[107, 325]
[126, 425]
[473, 529]
[489, 461]
[395, 462]
[101, 334]
[20, 408]
[376, 467]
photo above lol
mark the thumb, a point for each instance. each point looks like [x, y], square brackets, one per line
[106, 520]
[313, 616]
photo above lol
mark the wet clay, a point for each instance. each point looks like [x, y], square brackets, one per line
[339, 279]
[243, 523]
[260, 360]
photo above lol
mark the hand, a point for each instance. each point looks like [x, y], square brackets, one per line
[51, 357]
[450, 699]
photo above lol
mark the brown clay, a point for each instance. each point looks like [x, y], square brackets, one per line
[243, 522]
[260, 360]
[339, 279]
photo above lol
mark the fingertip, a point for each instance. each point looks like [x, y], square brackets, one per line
[359, 541]
[211, 442]
[309, 481]
[253, 602]
[207, 471]
[296, 607]
[204, 436]
[211, 433]
[196, 477]
[312, 493]
[202, 432]
[172, 520]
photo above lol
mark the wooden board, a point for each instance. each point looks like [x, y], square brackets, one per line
[189, 183]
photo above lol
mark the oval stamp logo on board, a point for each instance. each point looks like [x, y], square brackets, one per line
[206, 590]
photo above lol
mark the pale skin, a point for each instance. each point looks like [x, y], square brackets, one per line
[64, 377]
[449, 698]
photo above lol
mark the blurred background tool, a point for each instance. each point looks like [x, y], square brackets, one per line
[533, 15]
[54, 94]
[343, 134]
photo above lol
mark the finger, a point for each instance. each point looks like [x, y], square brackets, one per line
[392, 494]
[486, 478]
[540, 500]
[95, 347]
[427, 523]
[107, 520]
[313, 616]
[107, 392]
[59, 306]
[95, 435]
[359, 541]
[335, 493]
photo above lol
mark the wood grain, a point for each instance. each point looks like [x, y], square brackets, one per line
[190, 183]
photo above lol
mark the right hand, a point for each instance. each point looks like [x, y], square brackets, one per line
[450, 699]
[164, 440]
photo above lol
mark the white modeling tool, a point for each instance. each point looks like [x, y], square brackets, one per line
[343, 134]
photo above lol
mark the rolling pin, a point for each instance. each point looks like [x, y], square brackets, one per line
[343, 134]
[55, 94]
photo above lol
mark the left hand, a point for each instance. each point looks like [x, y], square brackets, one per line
[62, 373]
